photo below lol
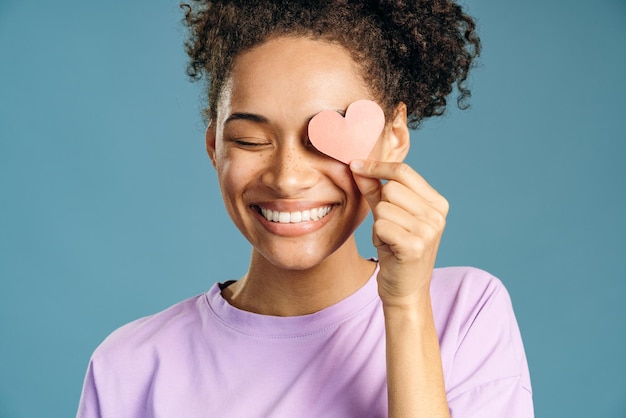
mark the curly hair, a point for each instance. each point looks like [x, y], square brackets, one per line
[408, 51]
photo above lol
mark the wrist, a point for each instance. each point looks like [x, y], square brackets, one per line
[418, 300]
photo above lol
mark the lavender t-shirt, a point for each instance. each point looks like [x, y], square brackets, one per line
[204, 358]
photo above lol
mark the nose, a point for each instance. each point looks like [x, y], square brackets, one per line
[291, 170]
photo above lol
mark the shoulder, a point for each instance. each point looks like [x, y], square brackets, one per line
[163, 330]
[465, 288]
[468, 278]
[461, 296]
[480, 342]
[122, 372]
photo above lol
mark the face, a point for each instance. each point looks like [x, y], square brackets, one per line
[295, 205]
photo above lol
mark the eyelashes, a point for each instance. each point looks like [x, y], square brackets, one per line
[249, 142]
[255, 142]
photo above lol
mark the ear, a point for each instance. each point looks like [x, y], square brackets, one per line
[396, 140]
[210, 142]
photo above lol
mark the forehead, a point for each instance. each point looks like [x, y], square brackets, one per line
[290, 77]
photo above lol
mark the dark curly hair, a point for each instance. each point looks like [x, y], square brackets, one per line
[408, 51]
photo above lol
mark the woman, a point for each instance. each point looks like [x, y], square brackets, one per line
[313, 329]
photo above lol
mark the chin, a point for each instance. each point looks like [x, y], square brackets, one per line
[294, 257]
[299, 262]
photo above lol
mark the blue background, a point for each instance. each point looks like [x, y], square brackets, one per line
[109, 207]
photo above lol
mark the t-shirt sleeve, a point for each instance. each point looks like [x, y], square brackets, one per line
[500, 398]
[89, 405]
[485, 366]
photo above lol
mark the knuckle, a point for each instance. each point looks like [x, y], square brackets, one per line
[445, 205]
[417, 247]
[439, 220]
[373, 166]
[383, 210]
[402, 169]
[428, 234]
[387, 191]
[393, 186]
[378, 226]
[433, 236]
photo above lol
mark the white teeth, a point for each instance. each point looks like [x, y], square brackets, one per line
[295, 217]
[314, 214]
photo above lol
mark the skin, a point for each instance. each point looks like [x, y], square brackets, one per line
[258, 145]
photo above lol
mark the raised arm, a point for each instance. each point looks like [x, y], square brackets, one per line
[409, 219]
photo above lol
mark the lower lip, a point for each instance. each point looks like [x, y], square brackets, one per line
[293, 229]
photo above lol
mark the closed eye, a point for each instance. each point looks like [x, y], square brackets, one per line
[250, 142]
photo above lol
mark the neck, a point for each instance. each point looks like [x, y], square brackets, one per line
[270, 290]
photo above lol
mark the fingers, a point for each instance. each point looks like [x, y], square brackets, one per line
[386, 171]
[407, 232]
[406, 246]
[409, 219]
[405, 186]
[409, 215]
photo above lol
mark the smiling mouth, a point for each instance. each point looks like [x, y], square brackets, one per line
[307, 215]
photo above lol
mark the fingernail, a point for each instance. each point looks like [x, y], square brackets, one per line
[357, 164]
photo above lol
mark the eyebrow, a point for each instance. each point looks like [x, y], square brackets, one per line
[253, 117]
[247, 116]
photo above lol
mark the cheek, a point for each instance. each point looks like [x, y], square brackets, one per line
[343, 178]
[235, 172]
[356, 199]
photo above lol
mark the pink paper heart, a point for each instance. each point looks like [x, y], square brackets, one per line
[351, 137]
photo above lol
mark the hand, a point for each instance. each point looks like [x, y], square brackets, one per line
[409, 219]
